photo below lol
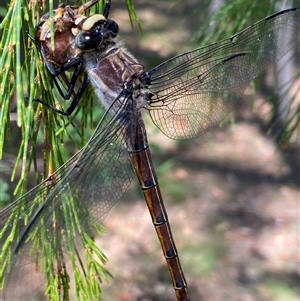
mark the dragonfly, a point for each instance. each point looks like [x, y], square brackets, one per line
[185, 97]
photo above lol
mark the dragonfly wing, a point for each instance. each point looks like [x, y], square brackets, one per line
[194, 91]
[50, 216]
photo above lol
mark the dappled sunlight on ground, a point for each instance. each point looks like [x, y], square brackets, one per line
[232, 197]
[234, 214]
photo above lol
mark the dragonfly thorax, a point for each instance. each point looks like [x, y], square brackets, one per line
[115, 75]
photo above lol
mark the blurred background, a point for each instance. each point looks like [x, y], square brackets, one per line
[232, 195]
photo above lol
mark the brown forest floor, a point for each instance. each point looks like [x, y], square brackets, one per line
[232, 197]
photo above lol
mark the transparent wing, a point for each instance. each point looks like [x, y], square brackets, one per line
[196, 90]
[51, 215]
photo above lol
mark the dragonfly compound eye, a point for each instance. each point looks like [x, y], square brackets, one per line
[88, 40]
[95, 29]
[113, 27]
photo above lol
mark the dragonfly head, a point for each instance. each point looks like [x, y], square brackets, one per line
[62, 29]
[95, 30]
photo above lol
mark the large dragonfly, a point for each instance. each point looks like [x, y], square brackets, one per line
[185, 97]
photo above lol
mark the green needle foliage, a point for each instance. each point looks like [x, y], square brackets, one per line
[23, 78]
[24, 74]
